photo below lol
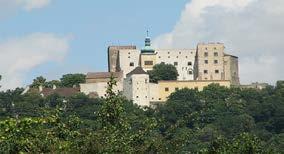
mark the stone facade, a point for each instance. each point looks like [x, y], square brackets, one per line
[113, 59]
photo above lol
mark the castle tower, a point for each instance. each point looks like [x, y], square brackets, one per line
[136, 87]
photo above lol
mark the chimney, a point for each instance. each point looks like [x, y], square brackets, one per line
[40, 88]
[54, 87]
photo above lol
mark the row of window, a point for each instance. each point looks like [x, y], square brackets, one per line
[206, 71]
[179, 52]
[213, 48]
[206, 54]
[170, 57]
[176, 89]
[215, 61]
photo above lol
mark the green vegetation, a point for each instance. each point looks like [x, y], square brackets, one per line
[215, 120]
[163, 72]
[67, 80]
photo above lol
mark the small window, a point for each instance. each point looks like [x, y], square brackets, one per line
[206, 61]
[205, 54]
[215, 61]
[206, 78]
[146, 80]
[185, 56]
[128, 56]
[190, 72]
[159, 56]
[129, 53]
[205, 71]
[160, 98]
[169, 57]
[176, 88]
[168, 52]
[131, 64]
[179, 52]
[146, 96]
[196, 88]
[177, 56]
[189, 63]
[206, 48]
[166, 89]
[137, 96]
[176, 63]
[148, 62]
[215, 48]
[217, 71]
[216, 54]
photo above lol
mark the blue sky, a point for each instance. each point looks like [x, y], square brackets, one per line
[92, 25]
[55, 37]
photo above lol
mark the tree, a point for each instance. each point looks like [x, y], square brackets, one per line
[163, 72]
[52, 83]
[70, 80]
[39, 81]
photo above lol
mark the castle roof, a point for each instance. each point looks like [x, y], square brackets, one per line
[137, 70]
[103, 75]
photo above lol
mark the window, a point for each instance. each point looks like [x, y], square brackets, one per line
[206, 48]
[189, 63]
[159, 56]
[169, 57]
[176, 63]
[206, 61]
[146, 80]
[215, 48]
[148, 62]
[160, 98]
[166, 89]
[205, 54]
[216, 54]
[179, 52]
[205, 71]
[217, 71]
[176, 88]
[215, 61]
[196, 88]
[177, 56]
[168, 52]
[190, 72]
[131, 64]
[129, 53]
[128, 56]
[137, 96]
[185, 56]
[206, 78]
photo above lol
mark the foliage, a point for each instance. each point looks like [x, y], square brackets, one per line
[70, 80]
[215, 120]
[39, 81]
[163, 72]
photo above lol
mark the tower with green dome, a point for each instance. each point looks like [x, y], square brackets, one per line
[147, 48]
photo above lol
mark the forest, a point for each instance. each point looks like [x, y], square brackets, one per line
[215, 120]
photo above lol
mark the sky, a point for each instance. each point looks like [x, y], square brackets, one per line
[55, 37]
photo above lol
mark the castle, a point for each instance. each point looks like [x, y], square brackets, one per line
[197, 68]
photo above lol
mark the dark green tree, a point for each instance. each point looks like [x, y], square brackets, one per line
[163, 72]
[39, 81]
[70, 80]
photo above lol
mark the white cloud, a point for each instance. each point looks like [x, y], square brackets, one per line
[33, 4]
[250, 29]
[20, 55]
[8, 7]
